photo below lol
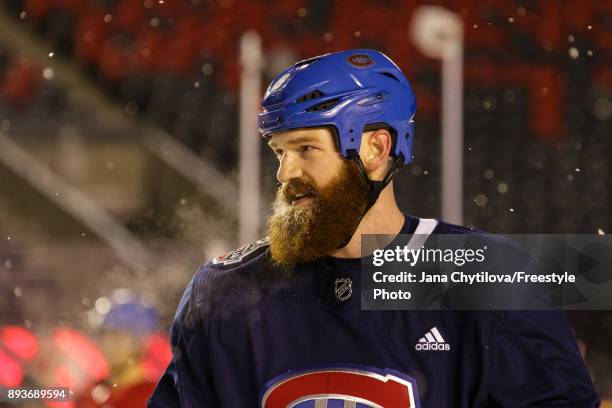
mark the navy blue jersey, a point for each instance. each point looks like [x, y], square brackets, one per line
[248, 334]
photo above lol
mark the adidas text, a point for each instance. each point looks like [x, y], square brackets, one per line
[432, 347]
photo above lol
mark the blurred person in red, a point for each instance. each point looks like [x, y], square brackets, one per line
[135, 352]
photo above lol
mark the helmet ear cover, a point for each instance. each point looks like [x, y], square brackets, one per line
[368, 128]
[375, 186]
[381, 125]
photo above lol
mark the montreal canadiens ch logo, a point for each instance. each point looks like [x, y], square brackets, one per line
[360, 60]
[357, 387]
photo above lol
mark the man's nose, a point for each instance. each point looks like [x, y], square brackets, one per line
[288, 168]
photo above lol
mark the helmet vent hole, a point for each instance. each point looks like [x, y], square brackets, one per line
[306, 62]
[390, 75]
[323, 106]
[310, 96]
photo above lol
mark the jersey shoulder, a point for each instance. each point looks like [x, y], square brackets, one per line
[242, 255]
[496, 242]
[239, 278]
[234, 266]
[444, 227]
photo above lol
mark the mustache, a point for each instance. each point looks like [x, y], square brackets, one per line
[294, 187]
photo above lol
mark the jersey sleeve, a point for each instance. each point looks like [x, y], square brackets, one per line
[187, 381]
[535, 362]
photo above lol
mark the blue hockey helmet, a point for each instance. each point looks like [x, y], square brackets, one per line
[349, 91]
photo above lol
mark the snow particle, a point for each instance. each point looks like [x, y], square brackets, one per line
[102, 305]
[108, 18]
[481, 200]
[207, 69]
[48, 73]
[100, 394]
[122, 295]
[502, 188]
[18, 291]
[357, 34]
[573, 52]
[301, 12]
[327, 37]
[51, 54]
[489, 174]
[489, 103]
[511, 19]
[23, 15]
[601, 231]
[511, 209]
[603, 108]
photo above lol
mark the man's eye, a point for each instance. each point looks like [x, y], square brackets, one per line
[306, 148]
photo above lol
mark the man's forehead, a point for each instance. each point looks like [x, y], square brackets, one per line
[294, 136]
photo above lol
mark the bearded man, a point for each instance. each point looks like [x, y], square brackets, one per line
[275, 323]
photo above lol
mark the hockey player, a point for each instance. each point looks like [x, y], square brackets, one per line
[277, 323]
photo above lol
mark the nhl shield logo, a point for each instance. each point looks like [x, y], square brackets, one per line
[343, 289]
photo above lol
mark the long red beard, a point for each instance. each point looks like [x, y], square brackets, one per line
[306, 233]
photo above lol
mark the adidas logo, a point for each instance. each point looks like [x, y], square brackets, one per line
[432, 341]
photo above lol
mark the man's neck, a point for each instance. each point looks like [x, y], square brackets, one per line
[383, 218]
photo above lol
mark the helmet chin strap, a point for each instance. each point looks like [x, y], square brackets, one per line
[375, 186]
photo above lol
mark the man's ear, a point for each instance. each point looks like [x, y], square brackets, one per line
[375, 150]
